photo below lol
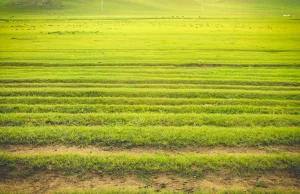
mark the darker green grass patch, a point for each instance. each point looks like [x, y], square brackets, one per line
[184, 165]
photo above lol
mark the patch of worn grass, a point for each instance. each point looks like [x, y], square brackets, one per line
[254, 191]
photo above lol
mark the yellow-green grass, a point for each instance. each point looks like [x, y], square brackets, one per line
[15, 70]
[21, 108]
[150, 74]
[184, 165]
[151, 136]
[151, 41]
[156, 93]
[58, 74]
[151, 97]
[148, 119]
[146, 8]
[150, 32]
[33, 100]
[166, 86]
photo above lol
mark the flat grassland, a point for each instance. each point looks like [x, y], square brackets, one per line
[163, 40]
[149, 97]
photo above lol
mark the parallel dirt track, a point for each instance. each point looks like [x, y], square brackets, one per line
[92, 150]
[48, 183]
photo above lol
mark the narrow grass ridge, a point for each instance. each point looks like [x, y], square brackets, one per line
[148, 119]
[160, 93]
[33, 100]
[184, 165]
[225, 109]
[166, 86]
[158, 76]
[152, 136]
[109, 80]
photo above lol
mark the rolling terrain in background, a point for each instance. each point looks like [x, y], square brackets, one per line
[228, 8]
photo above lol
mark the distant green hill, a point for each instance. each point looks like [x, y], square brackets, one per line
[154, 7]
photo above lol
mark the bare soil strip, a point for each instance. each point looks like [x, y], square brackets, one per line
[92, 150]
[48, 183]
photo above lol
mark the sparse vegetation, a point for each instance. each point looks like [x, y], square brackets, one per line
[261, 184]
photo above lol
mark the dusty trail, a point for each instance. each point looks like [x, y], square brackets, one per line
[48, 183]
[92, 150]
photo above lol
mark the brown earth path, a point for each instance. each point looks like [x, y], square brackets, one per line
[93, 150]
[48, 183]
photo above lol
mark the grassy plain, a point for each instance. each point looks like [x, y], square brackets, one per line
[173, 96]
[151, 32]
[151, 41]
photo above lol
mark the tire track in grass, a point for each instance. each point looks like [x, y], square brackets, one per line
[107, 184]
[93, 150]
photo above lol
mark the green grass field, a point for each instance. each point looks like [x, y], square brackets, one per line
[205, 40]
[150, 32]
[150, 96]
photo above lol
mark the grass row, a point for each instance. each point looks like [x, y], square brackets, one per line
[154, 75]
[163, 71]
[21, 108]
[160, 93]
[272, 69]
[167, 86]
[130, 80]
[27, 64]
[187, 69]
[33, 100]
[152, 136]
[148, 119]
[184, 165]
